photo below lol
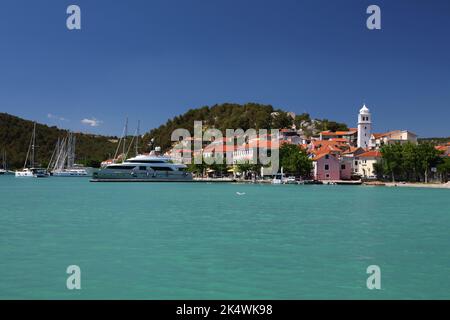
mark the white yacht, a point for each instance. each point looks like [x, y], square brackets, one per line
[31, 172]
[62, 162]
[144, 168]
[80, 172]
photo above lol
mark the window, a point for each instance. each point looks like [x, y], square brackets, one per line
[146, 161]
[143, 168]
[327, 157]
[343, 167]
[327, 167]
[327, 175]
[356, 163]
[120, 167]
[161, 168]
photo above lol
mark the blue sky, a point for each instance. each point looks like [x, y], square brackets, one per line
[154, 59]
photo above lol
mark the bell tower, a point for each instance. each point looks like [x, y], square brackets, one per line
[364, 127]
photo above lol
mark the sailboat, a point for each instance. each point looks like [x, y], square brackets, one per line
[62, 163]
[31, 171]
[4, 170]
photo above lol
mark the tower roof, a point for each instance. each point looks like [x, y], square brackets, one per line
[364, 110]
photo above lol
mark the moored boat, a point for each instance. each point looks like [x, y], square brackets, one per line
[31, 171]
[144, 168]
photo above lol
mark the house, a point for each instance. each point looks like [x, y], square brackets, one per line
[350, 136]
[377, 140]
[326, 166]
[291, 136]
[445, 149]
[346, 168]
[365, 164]
[350, 155]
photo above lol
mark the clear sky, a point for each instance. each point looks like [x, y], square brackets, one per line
[154, 59]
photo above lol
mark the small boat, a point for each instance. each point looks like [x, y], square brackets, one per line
[290, 180]
[4, 171]
[31, 171]
[278, 179]
[70, 173]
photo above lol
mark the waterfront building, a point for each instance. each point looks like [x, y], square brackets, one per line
[326, 166]
[365, 164]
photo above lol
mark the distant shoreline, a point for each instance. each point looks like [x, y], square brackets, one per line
[412, 185]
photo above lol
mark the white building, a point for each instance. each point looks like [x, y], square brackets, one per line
[397, 136]
[364, 127]
[365, 164]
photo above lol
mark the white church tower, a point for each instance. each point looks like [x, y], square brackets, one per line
[364, 127]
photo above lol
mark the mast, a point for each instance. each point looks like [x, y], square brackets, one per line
[137, 138]
[33, 146]
[30, 148]
[125, 140]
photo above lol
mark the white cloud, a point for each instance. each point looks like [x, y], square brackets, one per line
[91, 122]
[52, 116]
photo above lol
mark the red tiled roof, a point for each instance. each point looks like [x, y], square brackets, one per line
[371, 154]
[351, 131]
[385, 134]
[321, 155]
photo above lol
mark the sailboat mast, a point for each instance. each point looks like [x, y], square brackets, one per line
[137, 138]
[125, 140]
[33, 146]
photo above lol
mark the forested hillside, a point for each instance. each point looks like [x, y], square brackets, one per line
[15, 134]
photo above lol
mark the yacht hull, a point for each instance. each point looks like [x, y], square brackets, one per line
[141, 180]
[103, 176]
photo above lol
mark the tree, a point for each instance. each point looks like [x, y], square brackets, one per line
[427, 156]
[281, 120]
[248, 168]
[392, 159]
[410, 161]
[444, 169]
[326, 124]
[301, 119]
[294, 160]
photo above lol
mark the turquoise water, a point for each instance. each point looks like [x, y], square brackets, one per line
[203, 241]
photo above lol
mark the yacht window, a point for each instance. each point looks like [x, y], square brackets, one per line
[161, 168]
[120, 167]
[146, 161]
[142, 168]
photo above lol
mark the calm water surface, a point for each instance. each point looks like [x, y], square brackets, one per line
[203, 241]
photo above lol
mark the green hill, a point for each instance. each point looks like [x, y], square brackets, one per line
[15, 134]
[233, 116]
